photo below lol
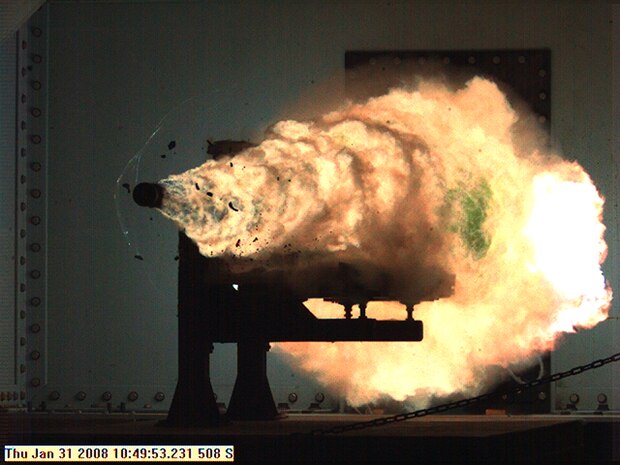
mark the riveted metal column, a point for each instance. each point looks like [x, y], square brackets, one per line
[32, 195]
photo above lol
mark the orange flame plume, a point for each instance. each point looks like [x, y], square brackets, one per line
[424, 182]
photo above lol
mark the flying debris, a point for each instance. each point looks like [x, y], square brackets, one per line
[221, 148]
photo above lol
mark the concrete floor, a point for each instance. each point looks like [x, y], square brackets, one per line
[450, 438]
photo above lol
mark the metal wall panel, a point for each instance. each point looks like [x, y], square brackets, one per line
[116, 69]
[8, 243]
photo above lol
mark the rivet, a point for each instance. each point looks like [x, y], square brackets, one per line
[22, 287]
[35, 382]
[106, 396]
[396, 60]
[35, 247]
[319, 397]
[36, 112]
[35, 193]
[292, 397]
[160, 396]
[22, 260]
[36, 31]
[542, 72]
[22, 152]
[542, 96]
[542, 395]
[601, 398]
[24, 98]
[35, 301]
[35, 274]
[35, 328]
[35, 220]
[132, 396]
[521, 59]
[22, 233]
[471, 60]
[22, 314]
[36, 139]
[37, 58]
[22, 368]
[22, 125]
[35, 355]
[22, 341]
[573, 398]
[22, 179]
[22, 206]
[36, 85]
[35, 166]
[23, 71]
[81, 395]
[496, 60]
[54, 395]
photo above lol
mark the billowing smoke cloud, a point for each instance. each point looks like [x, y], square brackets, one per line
[414, 189]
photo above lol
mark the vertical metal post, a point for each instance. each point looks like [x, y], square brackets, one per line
[251, 398]
[194, 401]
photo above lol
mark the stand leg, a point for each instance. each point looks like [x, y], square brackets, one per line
[194, 401]
[251, 398]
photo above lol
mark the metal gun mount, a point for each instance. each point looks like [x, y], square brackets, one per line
[264, 308]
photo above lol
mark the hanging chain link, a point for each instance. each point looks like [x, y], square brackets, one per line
[466, 402]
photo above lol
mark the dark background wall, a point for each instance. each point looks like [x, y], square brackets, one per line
[115, 69]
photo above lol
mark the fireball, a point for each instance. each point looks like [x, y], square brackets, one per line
[418, 182]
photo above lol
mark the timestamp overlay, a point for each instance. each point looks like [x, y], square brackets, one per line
[128, 453]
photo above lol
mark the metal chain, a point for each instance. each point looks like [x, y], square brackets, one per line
[466, 402]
